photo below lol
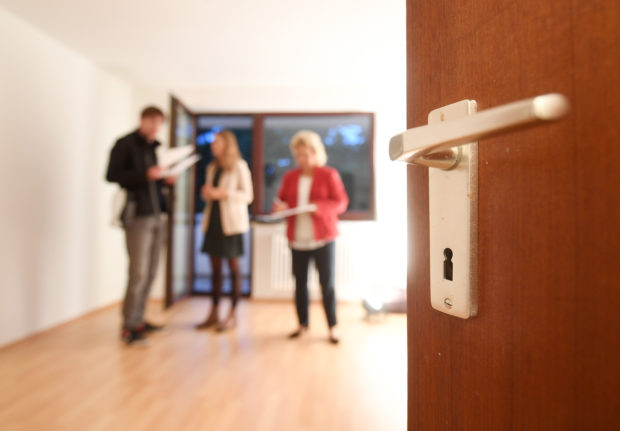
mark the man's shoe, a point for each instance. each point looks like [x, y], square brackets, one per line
[150, 327]
[134, 337]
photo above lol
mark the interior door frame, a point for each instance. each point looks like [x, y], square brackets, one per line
[170, 298]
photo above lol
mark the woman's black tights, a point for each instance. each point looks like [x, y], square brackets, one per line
[235, 275]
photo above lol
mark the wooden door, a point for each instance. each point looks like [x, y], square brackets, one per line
[544, 351]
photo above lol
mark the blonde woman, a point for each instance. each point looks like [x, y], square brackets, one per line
[311, 235]
[228, 192]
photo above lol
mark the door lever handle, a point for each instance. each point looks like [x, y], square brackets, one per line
[453, 188]
[434, 144]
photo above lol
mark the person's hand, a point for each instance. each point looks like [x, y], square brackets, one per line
[279, 205]
[213, 193]
[170, 180]
[218, 193]
[153, 173]
[206, 192]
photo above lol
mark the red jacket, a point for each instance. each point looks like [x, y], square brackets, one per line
[327, 192]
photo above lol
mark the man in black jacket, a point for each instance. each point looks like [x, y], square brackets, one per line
[133, 165]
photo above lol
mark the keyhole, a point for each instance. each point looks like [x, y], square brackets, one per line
[447, 264]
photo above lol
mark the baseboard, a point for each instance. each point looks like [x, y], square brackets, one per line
[43, 332]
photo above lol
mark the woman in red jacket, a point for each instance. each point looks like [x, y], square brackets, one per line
[311, 235]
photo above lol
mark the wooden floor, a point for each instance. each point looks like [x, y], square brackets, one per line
[81, 377]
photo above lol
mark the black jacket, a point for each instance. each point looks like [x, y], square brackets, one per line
[130, 158]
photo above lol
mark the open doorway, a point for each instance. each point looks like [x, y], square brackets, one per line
[188, 269]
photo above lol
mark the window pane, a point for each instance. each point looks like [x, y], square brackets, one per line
[347, 140]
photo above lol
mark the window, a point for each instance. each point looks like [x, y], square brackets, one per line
[264, 144]
[348, 140]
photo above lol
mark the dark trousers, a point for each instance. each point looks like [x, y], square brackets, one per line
[324, 259]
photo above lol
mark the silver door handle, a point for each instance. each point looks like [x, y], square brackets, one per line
[453, 188]
[433, 145]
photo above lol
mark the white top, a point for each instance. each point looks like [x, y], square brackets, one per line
[234, 209]
[304, 229]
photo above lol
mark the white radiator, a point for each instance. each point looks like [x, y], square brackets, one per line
[272, 276]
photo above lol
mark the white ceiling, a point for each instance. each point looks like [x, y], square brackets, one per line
[207, 43]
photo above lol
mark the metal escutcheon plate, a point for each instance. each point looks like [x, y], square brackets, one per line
[453, 216]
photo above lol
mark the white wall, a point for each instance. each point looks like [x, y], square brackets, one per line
[59, 115]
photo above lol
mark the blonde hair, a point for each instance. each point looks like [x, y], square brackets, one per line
[311, 140]
[231, 150]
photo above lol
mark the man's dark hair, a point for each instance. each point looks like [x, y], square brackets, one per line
[152, 111]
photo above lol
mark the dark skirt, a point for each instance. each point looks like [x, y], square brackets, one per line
[218, 244]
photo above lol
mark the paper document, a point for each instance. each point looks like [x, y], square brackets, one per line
[281, 215]
[180, 167]
[119, 200]
[167, 157]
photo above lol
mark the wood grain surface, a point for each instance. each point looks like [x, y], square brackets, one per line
[81, 377]
[544, 350]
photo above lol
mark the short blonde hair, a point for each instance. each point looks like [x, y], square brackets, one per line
[311, 140]
[231, 149]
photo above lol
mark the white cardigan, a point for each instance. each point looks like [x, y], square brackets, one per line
[234, 209]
